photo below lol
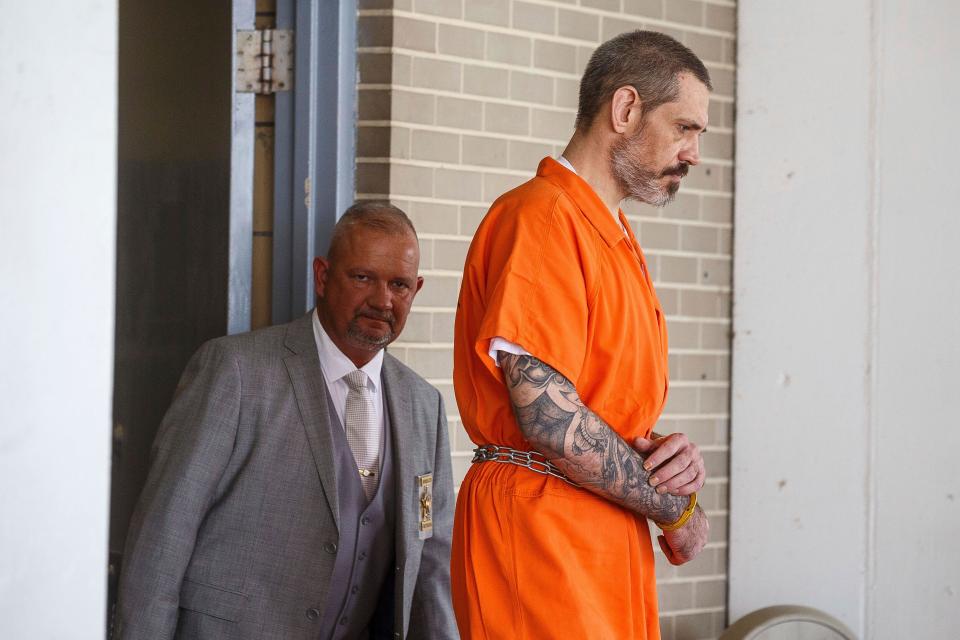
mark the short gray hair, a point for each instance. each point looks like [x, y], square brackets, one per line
[648, 61]
[372, 214]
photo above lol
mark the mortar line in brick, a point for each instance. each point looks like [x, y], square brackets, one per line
[672, 613]
[647, 22]
[436, 164]
[724, 320]
[699, 384]
[532, 70]
[506, 66]
[699, 352]
[720, 448]
[695, 416]
[409, 198]
[442, 236]
[716, 97]
[681, 222]
[419, 126]
[565, 4]
[433, 309]
[704, 160]
[684, 254]
[724, 66]
[689, 286]
[426, 346]
[717, 480]
[433, 164]
[476, 132]
[719, 513]
[486, 203]
[706, 577]
[489, 64]
[442, 273]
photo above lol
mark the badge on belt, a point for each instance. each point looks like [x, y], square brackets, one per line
[425, 485]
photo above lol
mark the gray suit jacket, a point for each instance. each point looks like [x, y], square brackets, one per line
[235, 532]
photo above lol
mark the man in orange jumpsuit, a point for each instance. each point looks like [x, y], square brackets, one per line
[560, 371]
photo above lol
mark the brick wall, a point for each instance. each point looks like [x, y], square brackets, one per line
[458, 102]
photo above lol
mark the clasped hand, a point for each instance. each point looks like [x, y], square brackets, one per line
[676, 466]
[674, 462]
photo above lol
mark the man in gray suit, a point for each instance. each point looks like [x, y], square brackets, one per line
[301, 483]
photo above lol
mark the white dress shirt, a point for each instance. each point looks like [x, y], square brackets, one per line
[335, 365]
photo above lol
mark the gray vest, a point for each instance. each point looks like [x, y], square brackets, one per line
[360, 596]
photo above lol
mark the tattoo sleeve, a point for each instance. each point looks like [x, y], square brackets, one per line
[556, 423]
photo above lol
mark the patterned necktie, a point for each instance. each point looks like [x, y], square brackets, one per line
[363, 434]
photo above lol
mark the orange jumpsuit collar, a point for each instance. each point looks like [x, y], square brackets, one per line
[582, 193]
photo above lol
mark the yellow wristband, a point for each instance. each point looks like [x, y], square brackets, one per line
[682, 520]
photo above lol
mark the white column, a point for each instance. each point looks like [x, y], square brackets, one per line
[914, 588]
[801, 312]
[845, 426]
[58, 114]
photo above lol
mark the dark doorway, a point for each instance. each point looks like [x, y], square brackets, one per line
[173, 214]
[223, 200]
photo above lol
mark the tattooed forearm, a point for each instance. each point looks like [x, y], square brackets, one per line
[539, 416]
[545, 422]
[555, 421]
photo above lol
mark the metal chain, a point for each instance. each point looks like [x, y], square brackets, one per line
[532, 460]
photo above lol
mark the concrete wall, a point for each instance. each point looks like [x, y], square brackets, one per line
[459, 101]
[844, 439]
[58, 70]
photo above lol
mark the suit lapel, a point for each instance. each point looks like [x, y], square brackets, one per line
[309, 387]
[398, 401]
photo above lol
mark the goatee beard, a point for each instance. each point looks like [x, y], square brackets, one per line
[367, 341]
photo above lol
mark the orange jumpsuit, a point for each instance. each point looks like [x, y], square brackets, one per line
[533, 557]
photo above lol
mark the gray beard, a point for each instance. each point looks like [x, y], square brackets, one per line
[634, 179]
[366, 341]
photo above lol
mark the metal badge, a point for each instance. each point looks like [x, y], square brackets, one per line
[425, 484]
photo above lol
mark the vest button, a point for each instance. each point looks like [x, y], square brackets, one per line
[355, 589]
[330, 547]
[343, 621]
[365, 520]
[363, 555]
[313, 614]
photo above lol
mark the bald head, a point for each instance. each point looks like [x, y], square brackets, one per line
[377, 216]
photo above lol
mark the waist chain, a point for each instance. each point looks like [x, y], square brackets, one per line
[532, 460]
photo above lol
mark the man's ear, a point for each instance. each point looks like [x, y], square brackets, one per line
[419, 283]
[320, 268]
[626, 109]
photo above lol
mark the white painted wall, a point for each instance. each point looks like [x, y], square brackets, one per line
[916, 566]
[845, 411]
[57, 237]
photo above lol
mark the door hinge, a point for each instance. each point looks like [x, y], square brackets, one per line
[264, 61]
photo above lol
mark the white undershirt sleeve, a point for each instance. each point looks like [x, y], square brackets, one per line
[499, 344]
